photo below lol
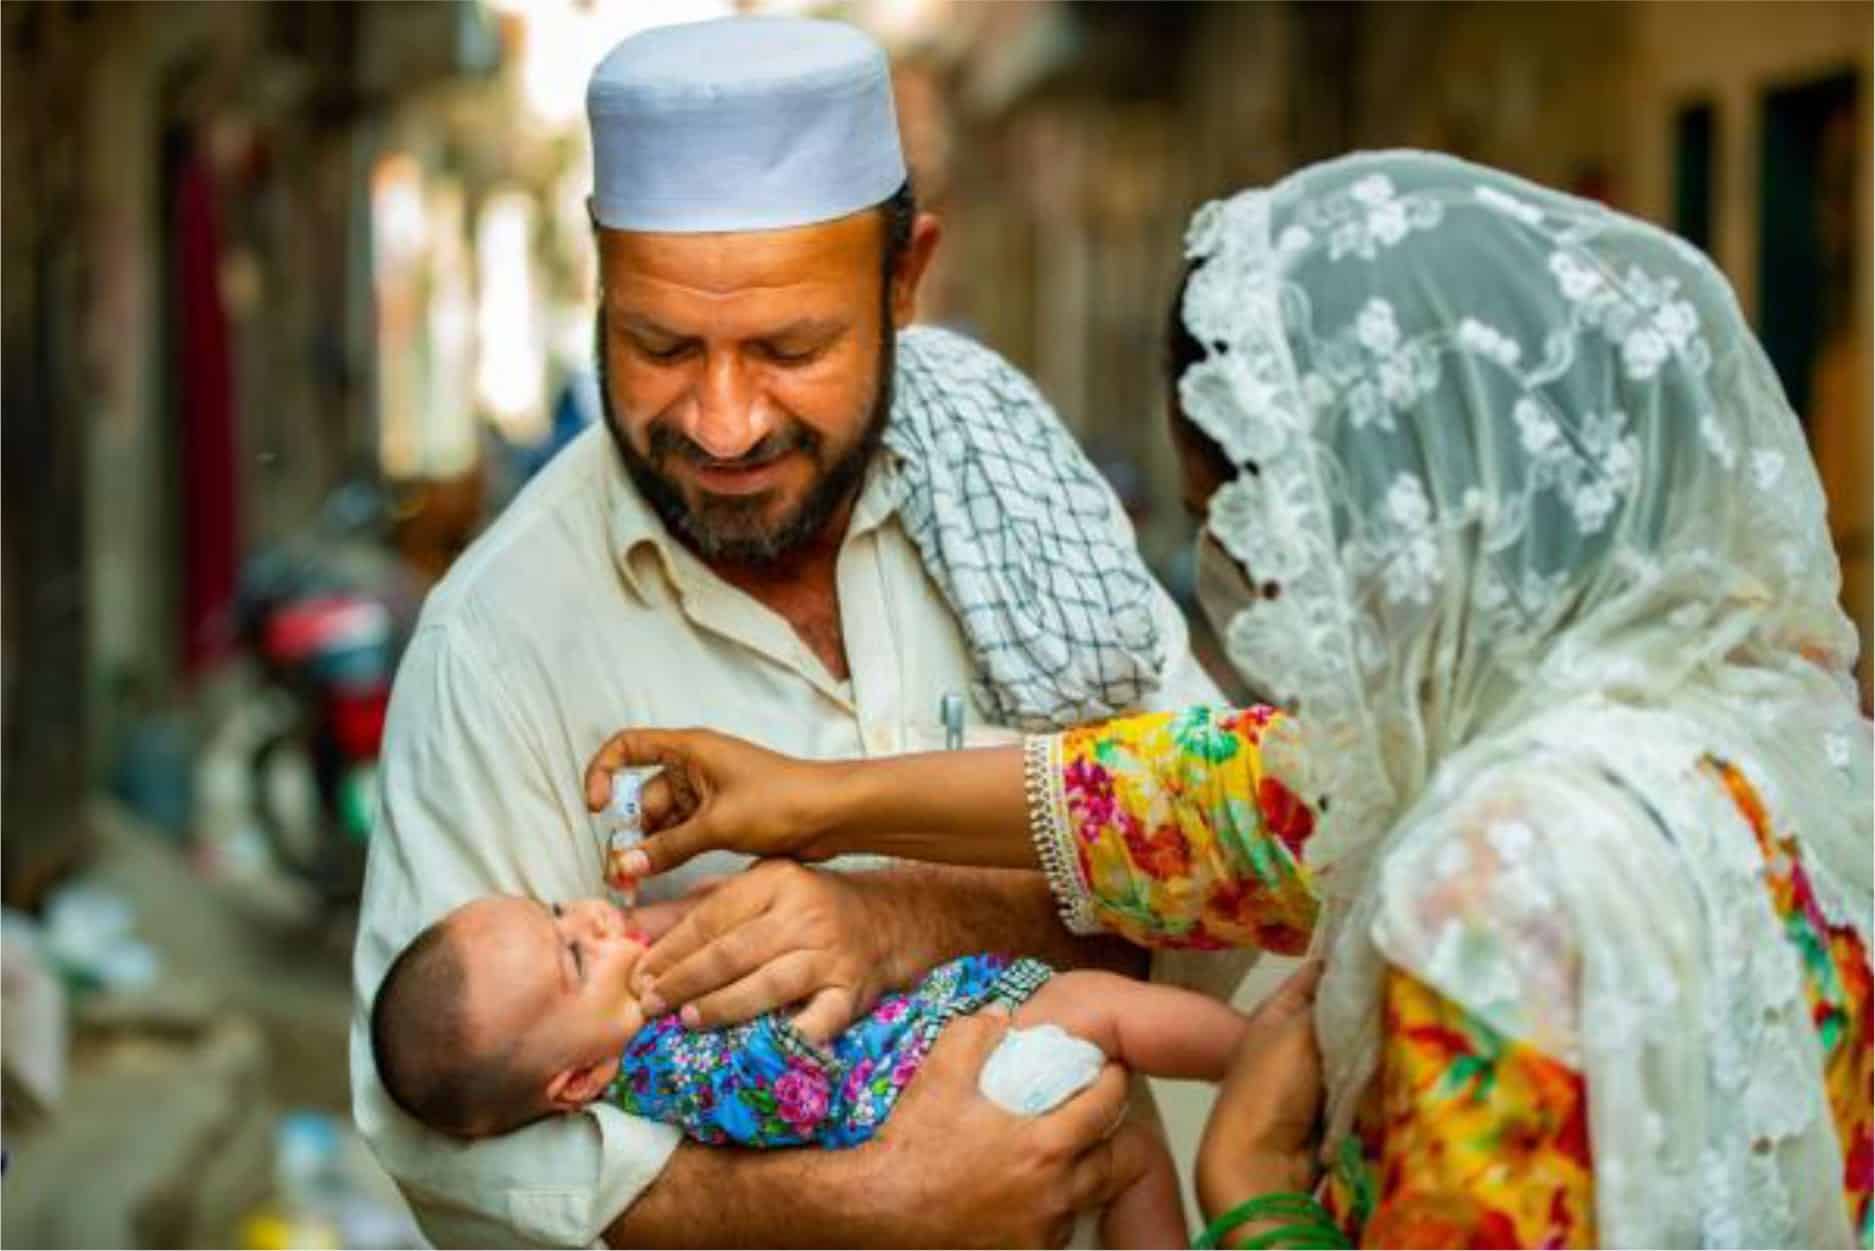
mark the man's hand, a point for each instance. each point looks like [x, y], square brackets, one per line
[1021, 1181]
[1262, 1133]
[774, 935]
[948, 1169]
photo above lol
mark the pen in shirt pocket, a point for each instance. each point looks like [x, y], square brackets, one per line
[951, 716]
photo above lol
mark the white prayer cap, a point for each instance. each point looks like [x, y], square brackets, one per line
[743, 123]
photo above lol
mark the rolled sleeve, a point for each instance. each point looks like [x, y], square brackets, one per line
[469, 808]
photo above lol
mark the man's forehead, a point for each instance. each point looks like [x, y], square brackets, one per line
[724, 266]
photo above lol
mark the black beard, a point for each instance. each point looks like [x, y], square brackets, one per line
[730, 529]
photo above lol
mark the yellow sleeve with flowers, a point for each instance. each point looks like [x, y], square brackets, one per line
[1181, 835]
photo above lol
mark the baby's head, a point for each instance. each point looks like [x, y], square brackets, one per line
[505, 1011]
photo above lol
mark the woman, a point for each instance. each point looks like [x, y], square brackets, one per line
[1560, 765]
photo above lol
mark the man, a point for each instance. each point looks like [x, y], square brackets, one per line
[803, 527]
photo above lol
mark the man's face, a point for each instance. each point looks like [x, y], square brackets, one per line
[746, 377]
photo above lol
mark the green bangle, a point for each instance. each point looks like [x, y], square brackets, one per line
[1309, 1224]
[1300, 1237]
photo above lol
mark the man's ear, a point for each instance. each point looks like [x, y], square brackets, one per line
[571, 1089]
[926, 231]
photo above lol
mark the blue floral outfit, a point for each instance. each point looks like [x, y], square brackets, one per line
[762, 1084]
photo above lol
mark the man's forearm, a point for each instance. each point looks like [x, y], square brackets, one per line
[731, 1196]
[939, 913]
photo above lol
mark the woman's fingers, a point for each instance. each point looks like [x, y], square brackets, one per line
[1270, 1103]
[1297, 991]
[667, 849]
[658, 802]
[713, 792]
[676, 750]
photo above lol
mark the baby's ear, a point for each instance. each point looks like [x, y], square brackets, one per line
[571, 1089]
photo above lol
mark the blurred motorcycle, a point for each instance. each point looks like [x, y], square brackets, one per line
[325, 614]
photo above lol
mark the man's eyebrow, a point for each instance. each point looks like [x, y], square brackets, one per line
[640, 324]
[808, 327]
[805, 327]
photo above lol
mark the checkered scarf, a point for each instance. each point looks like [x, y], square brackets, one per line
[1018, 530]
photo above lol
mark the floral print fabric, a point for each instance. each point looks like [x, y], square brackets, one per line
[1481, 1141]
[1182, 837]
[761, 1084]
[1836, 984]
[1473, 1140]
[1470, 1138]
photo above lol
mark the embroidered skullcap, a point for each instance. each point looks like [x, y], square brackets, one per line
[743, 123]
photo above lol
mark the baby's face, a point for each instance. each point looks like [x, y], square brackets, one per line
[555, 979]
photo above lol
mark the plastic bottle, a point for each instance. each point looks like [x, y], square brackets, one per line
[622, 828]
[309, 1188]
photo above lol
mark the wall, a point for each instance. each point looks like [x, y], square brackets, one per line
[1084, 135]
[1731, 54]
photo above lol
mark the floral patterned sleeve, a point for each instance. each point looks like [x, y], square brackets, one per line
[1176, 831]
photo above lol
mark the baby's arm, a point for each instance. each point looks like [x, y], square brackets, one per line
[1164, 1031]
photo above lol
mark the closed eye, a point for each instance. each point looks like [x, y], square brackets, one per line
[665, 355]
[795, 357]
[579, 961]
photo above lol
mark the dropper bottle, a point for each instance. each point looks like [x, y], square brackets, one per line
[622, 827]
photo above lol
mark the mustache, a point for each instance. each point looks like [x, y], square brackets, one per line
[665, 442]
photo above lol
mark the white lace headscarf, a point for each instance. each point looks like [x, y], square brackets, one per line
[1535, 533]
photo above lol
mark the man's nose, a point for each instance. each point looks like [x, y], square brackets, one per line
[730, 414]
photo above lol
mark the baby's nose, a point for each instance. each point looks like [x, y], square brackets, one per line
[601, 919]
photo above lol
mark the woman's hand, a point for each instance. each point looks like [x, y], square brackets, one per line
[1262, 1133]
[715, 793]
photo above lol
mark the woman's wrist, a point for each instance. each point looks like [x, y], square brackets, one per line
[836, 806]
[956, 807]
[1223, 1184]
[864, 806]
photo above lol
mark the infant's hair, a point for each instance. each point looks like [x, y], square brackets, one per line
[427, 1055]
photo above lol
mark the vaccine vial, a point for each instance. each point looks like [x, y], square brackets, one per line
[622, 828]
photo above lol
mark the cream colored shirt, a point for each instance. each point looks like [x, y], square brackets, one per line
[573, 617]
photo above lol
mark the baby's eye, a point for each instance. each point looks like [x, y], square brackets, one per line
[579, 963]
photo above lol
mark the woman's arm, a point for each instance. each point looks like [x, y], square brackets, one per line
[1261, 1137]
[722, 793]
[1169, 829]
[956, 807]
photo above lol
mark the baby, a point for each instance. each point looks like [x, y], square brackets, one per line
[509, 1010]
